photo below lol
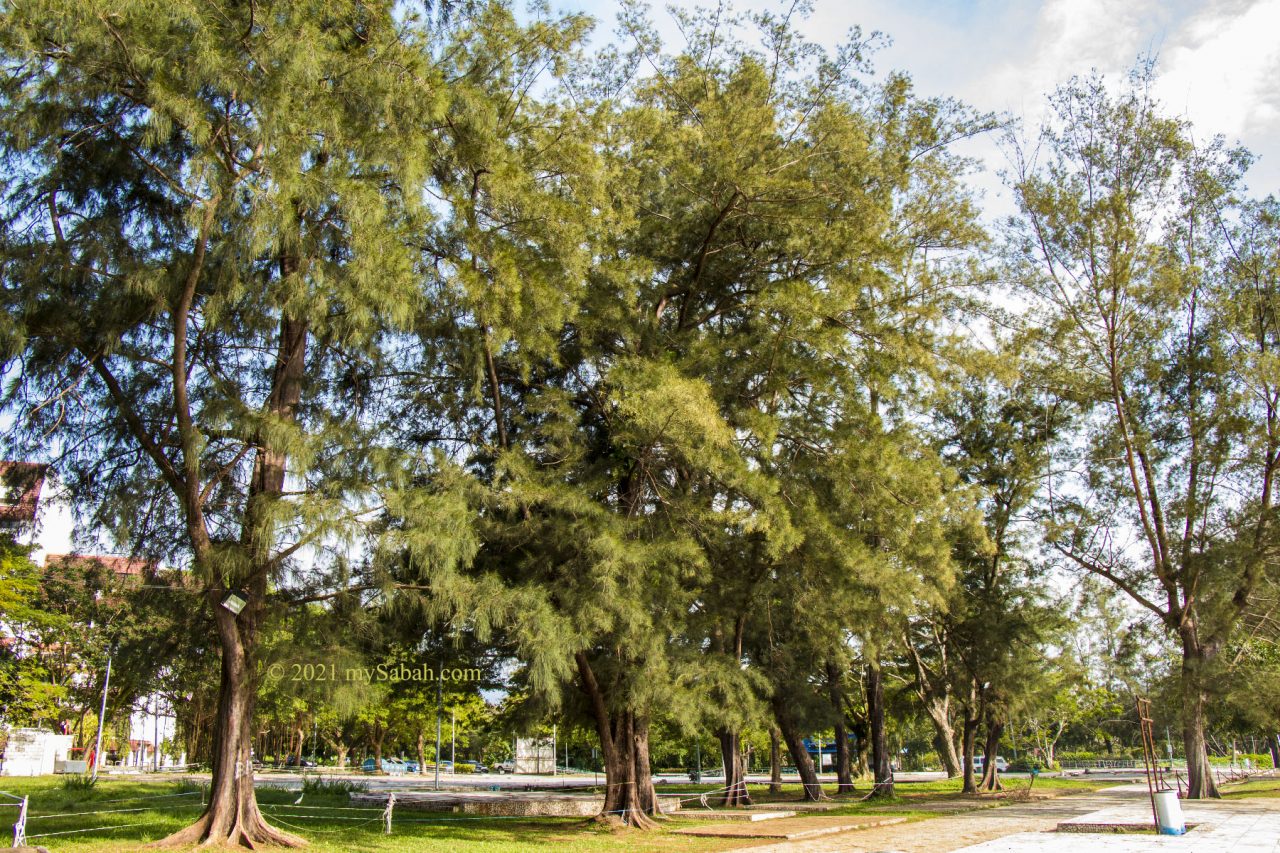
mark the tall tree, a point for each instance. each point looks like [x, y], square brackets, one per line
[995, 429]
[1161, 335]
[206, 224]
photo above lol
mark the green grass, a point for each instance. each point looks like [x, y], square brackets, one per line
[149, 819]
[1252, 788]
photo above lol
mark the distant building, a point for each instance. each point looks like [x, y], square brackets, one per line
[121, 567]
[20, 485]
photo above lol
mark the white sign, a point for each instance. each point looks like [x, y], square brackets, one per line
[535, 755]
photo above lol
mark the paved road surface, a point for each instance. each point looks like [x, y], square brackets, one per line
[959, 831]
[1232, 826]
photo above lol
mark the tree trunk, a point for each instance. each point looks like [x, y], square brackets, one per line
[629, 797]
[795, 746]
[775, 761]
[935, 695]
[861, 741]
[1051, 747]
[990, 772]
[375, 740]
[944, 744]
[735, 777]
[1201, 784]
[232, 816]
[882, 772]
[422, 753]
[844, 763]
[968, 737]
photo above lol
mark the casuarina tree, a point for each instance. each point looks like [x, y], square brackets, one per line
[205, 210]
[1162, 329]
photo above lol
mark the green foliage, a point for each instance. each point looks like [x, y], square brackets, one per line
[31, 691]
[79, 782]
[1086, 755]
[647, 366]
[314, 783]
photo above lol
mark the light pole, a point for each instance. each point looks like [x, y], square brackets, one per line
[102, 714]
[155, 752]
[439, 711]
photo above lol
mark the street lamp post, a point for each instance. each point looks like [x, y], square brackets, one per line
[439, 712]
[102, 715]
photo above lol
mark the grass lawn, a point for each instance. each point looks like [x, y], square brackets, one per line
[146, 811]
[1252, 788]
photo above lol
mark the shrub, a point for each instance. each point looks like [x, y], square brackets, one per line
[464, 768]
[79, 782]
[1260, 760]
[1084, 755]
[314, 783]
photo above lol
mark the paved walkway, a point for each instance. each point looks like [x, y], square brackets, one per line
[1233, 826]
[1237, 826]
[953, 832]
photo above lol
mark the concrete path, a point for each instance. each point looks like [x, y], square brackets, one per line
[1228, 826]
[954, 832]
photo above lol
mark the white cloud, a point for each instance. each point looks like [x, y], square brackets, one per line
[1068, 38]
[1218, 59]
[1219, 70]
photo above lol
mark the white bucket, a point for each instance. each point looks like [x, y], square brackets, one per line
[1169, 813]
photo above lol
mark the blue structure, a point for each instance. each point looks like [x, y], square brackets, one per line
[828, 746]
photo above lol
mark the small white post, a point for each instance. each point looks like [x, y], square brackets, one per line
[391, 804]
[20, 826]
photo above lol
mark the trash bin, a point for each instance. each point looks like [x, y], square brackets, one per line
[1169, 813]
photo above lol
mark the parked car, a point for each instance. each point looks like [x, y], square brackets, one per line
[979, 762]
[391, 766]
[480, 768]
[293, 761]
[504, 767]
[410, 766]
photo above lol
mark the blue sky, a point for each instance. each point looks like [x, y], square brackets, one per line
[1218, 60]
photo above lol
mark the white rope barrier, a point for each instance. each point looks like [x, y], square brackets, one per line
[20, 834]
[139, 799]
[90, 829]
[103, 811]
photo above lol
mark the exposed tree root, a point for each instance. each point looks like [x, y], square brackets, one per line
[248, 831]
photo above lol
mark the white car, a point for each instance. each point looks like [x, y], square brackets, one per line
[980, 760]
